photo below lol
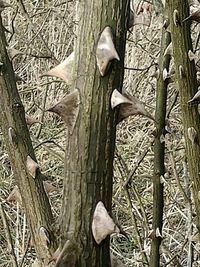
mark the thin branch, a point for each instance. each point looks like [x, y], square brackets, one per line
[138, 69]
[177, 178]
[8, 236]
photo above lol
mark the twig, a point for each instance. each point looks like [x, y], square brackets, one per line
[8, 236]
[177, 178]
[51, 151]
[43, 112]
[51, 142]
[190, 257]
[172, 104]
[197, 42]
[130, 175]
[174, 258]
[26, 250]
[138, 69]
[134, 220]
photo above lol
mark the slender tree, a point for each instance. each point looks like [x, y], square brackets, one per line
[90, 149]
[159, 151]
[187, 84]
[23, 161]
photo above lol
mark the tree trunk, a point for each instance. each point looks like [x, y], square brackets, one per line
[159, 153]
[19, 147]
[187, 83]
[90, 149]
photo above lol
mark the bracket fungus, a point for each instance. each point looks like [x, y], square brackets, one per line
[14, 195]
[166, 24]
[31, 166]
[156, 74]
[102, 224]
[169, 50]
[192, 56]
[49, 188]
[129, 105]
[105, 51]
[166, 74]
[176, 17]
[12, 136]
[44, 236]
[117, 98]
[68, 109]
[181, 71]
[158, 234]
[192, 134]
[63, 71]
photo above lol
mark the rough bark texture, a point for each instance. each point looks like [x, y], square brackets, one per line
[90, 150]
[19, 146]
[187, 83]
[159, 153]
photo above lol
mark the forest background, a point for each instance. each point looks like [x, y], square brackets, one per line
[42, 33]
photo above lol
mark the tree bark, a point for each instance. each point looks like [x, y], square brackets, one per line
[187, 83]
[19, 146]
[159, 152]
[90, 149]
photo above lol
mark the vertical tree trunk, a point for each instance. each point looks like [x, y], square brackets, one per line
[187, 83]
[19, 146]
[159, 153]
[90, 149]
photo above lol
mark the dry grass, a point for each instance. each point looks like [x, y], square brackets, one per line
[47, 36]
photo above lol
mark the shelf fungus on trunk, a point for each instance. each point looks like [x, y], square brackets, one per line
[12, 136]
[192, 135]
[68, 109]
[44, 236]
[129, 105]
[169, 50]
[176, 18]
[102, 224]
[63, 71]
[166, 75]
[156, 74]
[181, 72]
[158, 233]
[192, 56]
[105, 51]
[31, 166]
[14, 196]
